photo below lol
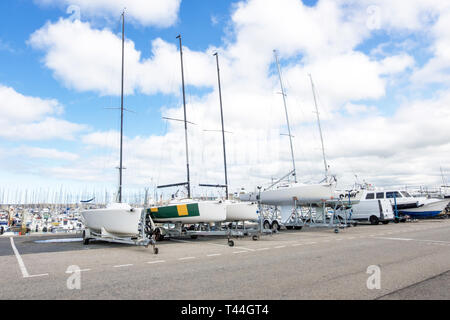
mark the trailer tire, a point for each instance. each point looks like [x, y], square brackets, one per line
[275, 226]
[85, 239]
[158, 235]
[255, 238]
[231, 243]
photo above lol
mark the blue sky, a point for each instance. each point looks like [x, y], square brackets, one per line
[381, 80]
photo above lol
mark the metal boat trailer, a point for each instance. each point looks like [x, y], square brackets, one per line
[104, 236]
[145, 237]
[193, 232]
[340, 219]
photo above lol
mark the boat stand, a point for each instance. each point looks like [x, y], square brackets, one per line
[146, 236]
[320, 219]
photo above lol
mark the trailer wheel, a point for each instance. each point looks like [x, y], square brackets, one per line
[275, 226]
[85, 240]
[231, 243]
[255, 238]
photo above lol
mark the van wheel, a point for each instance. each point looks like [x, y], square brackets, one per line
[266, 224]
[374, 220]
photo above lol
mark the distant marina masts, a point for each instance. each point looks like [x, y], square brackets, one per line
[287, 118]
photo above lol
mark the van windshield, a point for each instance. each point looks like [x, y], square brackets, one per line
[406, 194]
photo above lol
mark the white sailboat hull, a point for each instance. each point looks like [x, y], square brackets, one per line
[241, 211]
[118, 219]
[303, 193]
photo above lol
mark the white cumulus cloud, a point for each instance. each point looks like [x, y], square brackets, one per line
[160, 13]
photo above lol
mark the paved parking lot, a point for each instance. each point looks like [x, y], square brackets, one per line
[413, 260]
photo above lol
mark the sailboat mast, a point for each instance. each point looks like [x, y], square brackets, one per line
[287, 116]
[223, 128]
[444, 183]
[185, 120]
[121, 110]
[320, 128]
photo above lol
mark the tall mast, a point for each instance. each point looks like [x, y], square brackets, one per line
[223, 128]
[287, 117]
[444, 183]
[185, 120]
[121, 109]
[320, 128]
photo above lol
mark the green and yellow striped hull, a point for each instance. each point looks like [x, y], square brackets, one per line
[190, 212]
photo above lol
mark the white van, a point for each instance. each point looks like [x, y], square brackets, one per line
[373, 211]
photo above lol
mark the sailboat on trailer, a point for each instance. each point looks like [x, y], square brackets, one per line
[235, 210]
[118, 219]
[289, 194]
[187, 211]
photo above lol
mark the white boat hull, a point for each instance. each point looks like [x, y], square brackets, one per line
[241, 211]
[118, 219]
[303, 193]
[428, 210]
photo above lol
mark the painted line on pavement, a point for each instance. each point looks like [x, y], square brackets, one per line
[22, 267]
[186, 258]
[122, 265]
[157, 261]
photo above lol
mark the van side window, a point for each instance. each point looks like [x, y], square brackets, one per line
[380, 195]
[370, 196]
